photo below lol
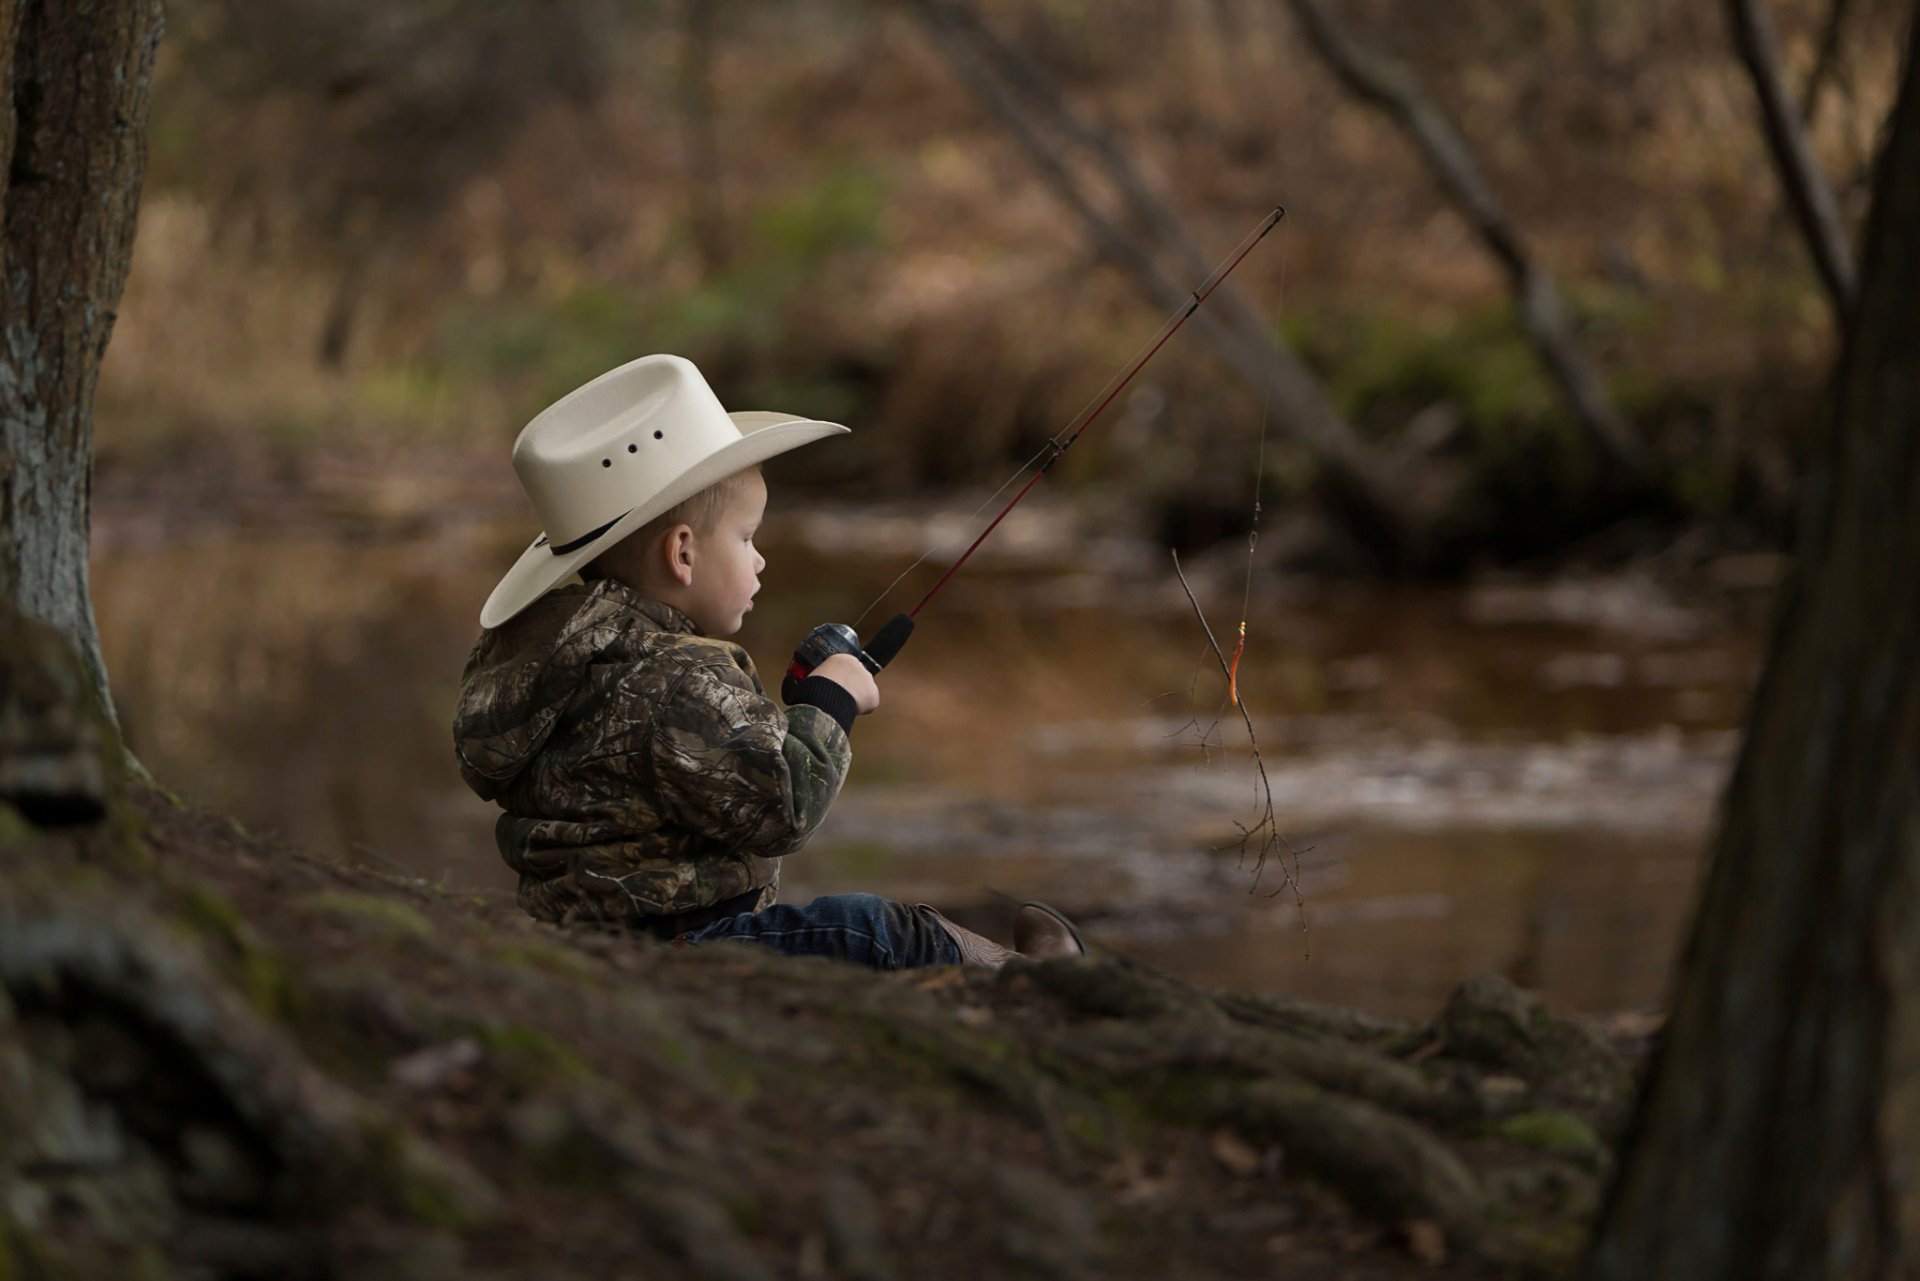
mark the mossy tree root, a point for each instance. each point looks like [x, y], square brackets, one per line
[157, 1099]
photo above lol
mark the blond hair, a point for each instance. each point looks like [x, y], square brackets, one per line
[702, 512]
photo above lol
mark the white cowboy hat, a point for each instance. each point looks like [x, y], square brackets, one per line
[606, 458]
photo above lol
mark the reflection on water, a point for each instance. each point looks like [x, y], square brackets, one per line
[1509, 779]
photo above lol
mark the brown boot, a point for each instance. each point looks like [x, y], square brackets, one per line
[1043, 934]
[1039, 933]
[975, 949]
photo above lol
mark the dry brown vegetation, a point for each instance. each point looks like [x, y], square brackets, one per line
[340, 241]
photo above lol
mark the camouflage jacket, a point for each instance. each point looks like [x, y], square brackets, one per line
[642, 769]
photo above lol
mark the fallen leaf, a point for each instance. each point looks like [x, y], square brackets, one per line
[1426, 1242]
[1235, 1154]
[941, 979]
[1131, 1182]
[435, 1065]
[1504, 1086]
[1427, 1051]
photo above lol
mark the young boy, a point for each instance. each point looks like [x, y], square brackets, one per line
[646, 779]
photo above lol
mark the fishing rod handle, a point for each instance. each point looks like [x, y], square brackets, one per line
[889, 640]
[828, 639]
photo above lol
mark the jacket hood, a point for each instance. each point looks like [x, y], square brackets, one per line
[522, 676]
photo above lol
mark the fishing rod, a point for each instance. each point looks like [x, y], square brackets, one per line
[829, 639]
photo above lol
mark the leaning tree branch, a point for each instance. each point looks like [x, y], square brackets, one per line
[1392, 89]
[1826, 62]
[1808, 192]
[1026, 77]
[1373, 496]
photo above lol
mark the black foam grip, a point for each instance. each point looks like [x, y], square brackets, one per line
[889, 639]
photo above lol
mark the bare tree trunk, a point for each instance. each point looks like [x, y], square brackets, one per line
[1779, 1135]
[1380, 505]
[1808, 191]
[73, 142]
[1392, 90]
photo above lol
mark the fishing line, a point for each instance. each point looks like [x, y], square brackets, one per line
[1259, 478]
[1267, 828]
[1139, 356]
[927, 555]
[1056, 446]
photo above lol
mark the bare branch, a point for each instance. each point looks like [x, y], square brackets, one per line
[1826, 62]
[1807, 189]
[1028, 106]
[1392, 89]
[1268, 828]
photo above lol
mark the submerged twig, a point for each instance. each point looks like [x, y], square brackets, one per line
[1268, 828]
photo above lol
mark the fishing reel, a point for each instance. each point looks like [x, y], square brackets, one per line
[828, 639]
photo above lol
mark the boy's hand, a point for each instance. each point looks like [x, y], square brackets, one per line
[850, 674]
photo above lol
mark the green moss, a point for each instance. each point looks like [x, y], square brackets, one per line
[1383, 366]
[260, 973]
[527, 1057]
[1183, 1096]
[736, 1080]
[1541, 1244]
[1551, 1132]
[24, 1256]
[211, 914]
[561, 962]
[405, 1174]
[149, 1264]
[1092, 1131]
[386, 915]
[14, 829]
[744, 1210]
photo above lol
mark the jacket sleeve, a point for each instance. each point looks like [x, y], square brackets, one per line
[733, 766]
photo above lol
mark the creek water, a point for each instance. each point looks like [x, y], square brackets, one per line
[1512, 777]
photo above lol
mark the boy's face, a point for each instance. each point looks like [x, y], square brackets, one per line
[726, 565]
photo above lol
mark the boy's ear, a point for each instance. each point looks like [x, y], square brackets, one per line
[676, 554]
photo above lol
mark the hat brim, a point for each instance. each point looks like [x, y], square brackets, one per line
[540, 569]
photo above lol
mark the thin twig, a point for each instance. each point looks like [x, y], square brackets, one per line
[1269, 823]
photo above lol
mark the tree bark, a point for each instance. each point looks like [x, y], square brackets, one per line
[1779, 1135]
[73, 139]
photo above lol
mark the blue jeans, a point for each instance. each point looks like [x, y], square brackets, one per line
[866, 929]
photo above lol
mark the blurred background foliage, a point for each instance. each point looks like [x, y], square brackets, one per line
[415, 222]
